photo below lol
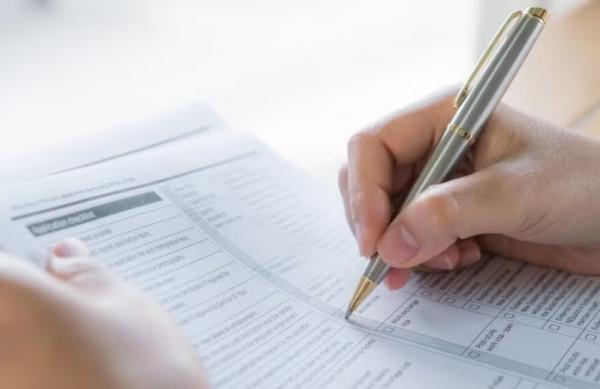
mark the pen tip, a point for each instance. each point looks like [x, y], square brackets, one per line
[348, 313]
[363, 289]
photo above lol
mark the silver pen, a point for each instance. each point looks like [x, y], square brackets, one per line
[475, 102]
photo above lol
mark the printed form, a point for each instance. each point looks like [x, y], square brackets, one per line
[256, 264]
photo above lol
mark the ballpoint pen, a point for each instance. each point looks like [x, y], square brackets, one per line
[474, 103]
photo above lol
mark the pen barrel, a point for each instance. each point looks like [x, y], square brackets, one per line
[443, 160]
[479, 104]
[471, 116]
[497, 75]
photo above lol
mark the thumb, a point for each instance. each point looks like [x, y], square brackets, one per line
[71, 262]
[458, 209]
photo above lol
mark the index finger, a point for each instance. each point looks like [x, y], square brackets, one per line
[381, 160]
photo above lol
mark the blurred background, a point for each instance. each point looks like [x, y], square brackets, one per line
[301, 75]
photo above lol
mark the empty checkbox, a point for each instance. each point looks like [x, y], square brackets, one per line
[425, 293]
[450, 300]
[509, 315]
[388, 329]
[474, 354]
[554, 327]
[559, 378]
[591, 337]
[474, 307]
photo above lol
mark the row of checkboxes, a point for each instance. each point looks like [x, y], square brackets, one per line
[473, 354]
[506, 315]
[449, 300]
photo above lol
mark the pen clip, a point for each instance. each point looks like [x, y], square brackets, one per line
[464, 91]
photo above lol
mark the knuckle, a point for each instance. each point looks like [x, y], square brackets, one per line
[356, 199]
[441, 208]
[534, 220]
[357, 142]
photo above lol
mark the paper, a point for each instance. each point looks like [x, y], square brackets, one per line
[24, 158]
[256, 264]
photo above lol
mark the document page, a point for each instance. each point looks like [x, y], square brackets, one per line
[256, 264]
[73, 149]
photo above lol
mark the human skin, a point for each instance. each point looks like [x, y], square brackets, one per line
[527, 190]
[76, 325]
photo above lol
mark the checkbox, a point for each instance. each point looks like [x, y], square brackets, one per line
[450, 300]
[425, 293]
[554, 327]
[474, 354]
[509, 315]
[559, 378]
[474, 307]
[389, 330]
[591, 336]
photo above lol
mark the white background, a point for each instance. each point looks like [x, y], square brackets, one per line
[301, 75]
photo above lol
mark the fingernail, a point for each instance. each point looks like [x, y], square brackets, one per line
[358, 234]
[400, 243]
[442, 262]
[386, 282]
[70, 248]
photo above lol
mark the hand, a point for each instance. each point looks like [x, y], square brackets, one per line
[78, 326]
[527, 190]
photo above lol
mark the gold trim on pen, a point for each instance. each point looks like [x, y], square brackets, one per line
[487, 54]
[462, 133]
[537, 12]
[363, 290]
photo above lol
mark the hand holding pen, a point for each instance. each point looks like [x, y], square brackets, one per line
[530, 192]
[474, 104]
